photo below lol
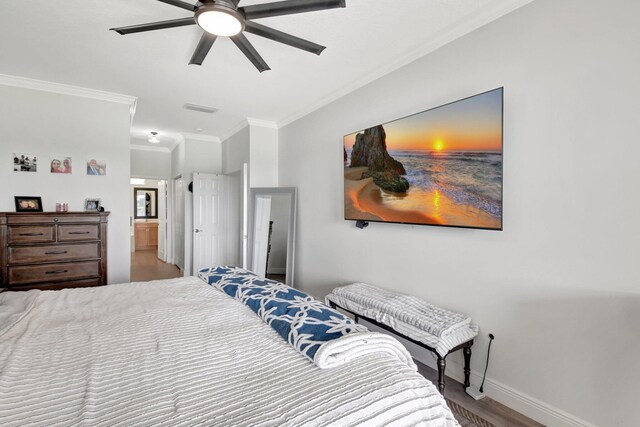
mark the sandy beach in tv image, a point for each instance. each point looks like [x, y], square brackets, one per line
[440, 167]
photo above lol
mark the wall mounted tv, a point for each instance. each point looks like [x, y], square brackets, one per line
[439, 167]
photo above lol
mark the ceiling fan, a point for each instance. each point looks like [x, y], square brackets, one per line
[225, 18]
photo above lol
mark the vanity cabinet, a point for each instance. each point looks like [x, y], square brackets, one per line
[53, 250]
[146, 235]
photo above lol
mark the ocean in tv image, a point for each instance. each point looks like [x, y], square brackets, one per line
[439, 167]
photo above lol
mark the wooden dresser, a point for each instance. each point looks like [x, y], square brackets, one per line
[53, 250]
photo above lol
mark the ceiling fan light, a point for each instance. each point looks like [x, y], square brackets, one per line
[219, 20]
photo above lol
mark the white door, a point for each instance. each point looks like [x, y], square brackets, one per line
[209, 220]
[162, 219]
[261, 235]
[178, 222]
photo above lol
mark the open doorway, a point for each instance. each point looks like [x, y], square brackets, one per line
[150, 240]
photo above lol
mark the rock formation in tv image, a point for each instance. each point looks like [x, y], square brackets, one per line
[439, 167]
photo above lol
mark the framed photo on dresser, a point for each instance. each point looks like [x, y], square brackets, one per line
[28, 203]
[91, 205]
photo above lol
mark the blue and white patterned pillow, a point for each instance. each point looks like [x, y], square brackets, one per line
[300, 319]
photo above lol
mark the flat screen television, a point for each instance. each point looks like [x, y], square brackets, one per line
[441, 167]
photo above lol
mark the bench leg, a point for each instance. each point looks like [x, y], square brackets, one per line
[467, 363]
[442, 364]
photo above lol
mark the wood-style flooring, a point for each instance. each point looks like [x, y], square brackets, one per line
[146, 266]
[487, 409]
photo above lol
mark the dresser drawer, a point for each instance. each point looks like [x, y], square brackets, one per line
[53, 272]
[70, 233]
[51, 253]
[32, 234]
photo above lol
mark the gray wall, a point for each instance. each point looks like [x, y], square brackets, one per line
[559, 286]
[150, 164]
[49, 124]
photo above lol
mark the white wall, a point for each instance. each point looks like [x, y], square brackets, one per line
[235, 151]
[263, 156]
[235, 154]
[45, 124]
[179, 188]
[150, 164]
[559, 286]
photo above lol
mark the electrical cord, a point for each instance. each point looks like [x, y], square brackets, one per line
[491, 337]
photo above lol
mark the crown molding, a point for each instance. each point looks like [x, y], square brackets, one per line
[235, 129]
[455, 31]
[200, 137]
[64, 89]
[149, 148]
[262, 123]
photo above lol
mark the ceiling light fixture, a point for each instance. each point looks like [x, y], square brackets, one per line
[153, 138]
[220, 18]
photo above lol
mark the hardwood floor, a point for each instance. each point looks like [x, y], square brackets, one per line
[488, 409]
[145, 266]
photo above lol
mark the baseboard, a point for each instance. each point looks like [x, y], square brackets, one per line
[527, 405]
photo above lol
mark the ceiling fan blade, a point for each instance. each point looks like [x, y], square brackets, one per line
[279, 36]
[288, 7]
[154, 26]
[204, 45]
[250, 52]
[178, 3]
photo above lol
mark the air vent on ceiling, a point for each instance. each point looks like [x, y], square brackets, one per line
[200, 108]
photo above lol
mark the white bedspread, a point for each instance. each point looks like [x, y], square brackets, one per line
[178, 352]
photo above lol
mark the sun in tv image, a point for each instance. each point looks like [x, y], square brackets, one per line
[439, 167]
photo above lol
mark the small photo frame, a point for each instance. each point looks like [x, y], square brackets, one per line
[96, 167]
[25, 162]
[91, 205]
[28, 203]
[60, 164]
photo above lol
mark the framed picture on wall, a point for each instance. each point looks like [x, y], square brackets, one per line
[60, 164]
[28, 203]
[96, 167]
[25, 162]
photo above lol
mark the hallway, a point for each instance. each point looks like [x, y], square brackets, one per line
[145, 266]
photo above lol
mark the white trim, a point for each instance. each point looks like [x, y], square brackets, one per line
[454, 32]
[149, 148]
[64, 89]
[262, 123]
[529, 406]
[519, 401]
[200, 137]
[237, 128]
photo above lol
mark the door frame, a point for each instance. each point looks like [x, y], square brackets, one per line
[168, 235]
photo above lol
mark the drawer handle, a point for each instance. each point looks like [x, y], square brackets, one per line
[79, 232]
[32, 234]
[56, 272]
[55, 252]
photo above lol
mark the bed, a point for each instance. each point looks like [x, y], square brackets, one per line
[180, 352]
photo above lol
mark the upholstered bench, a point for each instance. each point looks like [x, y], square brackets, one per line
[436, 329]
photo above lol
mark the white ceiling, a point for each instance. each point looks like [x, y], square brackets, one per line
[67, 41]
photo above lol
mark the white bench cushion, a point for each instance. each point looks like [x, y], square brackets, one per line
[437, 327]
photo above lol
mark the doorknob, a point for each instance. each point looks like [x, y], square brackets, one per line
[198, 230]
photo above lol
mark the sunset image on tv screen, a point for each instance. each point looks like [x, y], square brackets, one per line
[439, 167]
